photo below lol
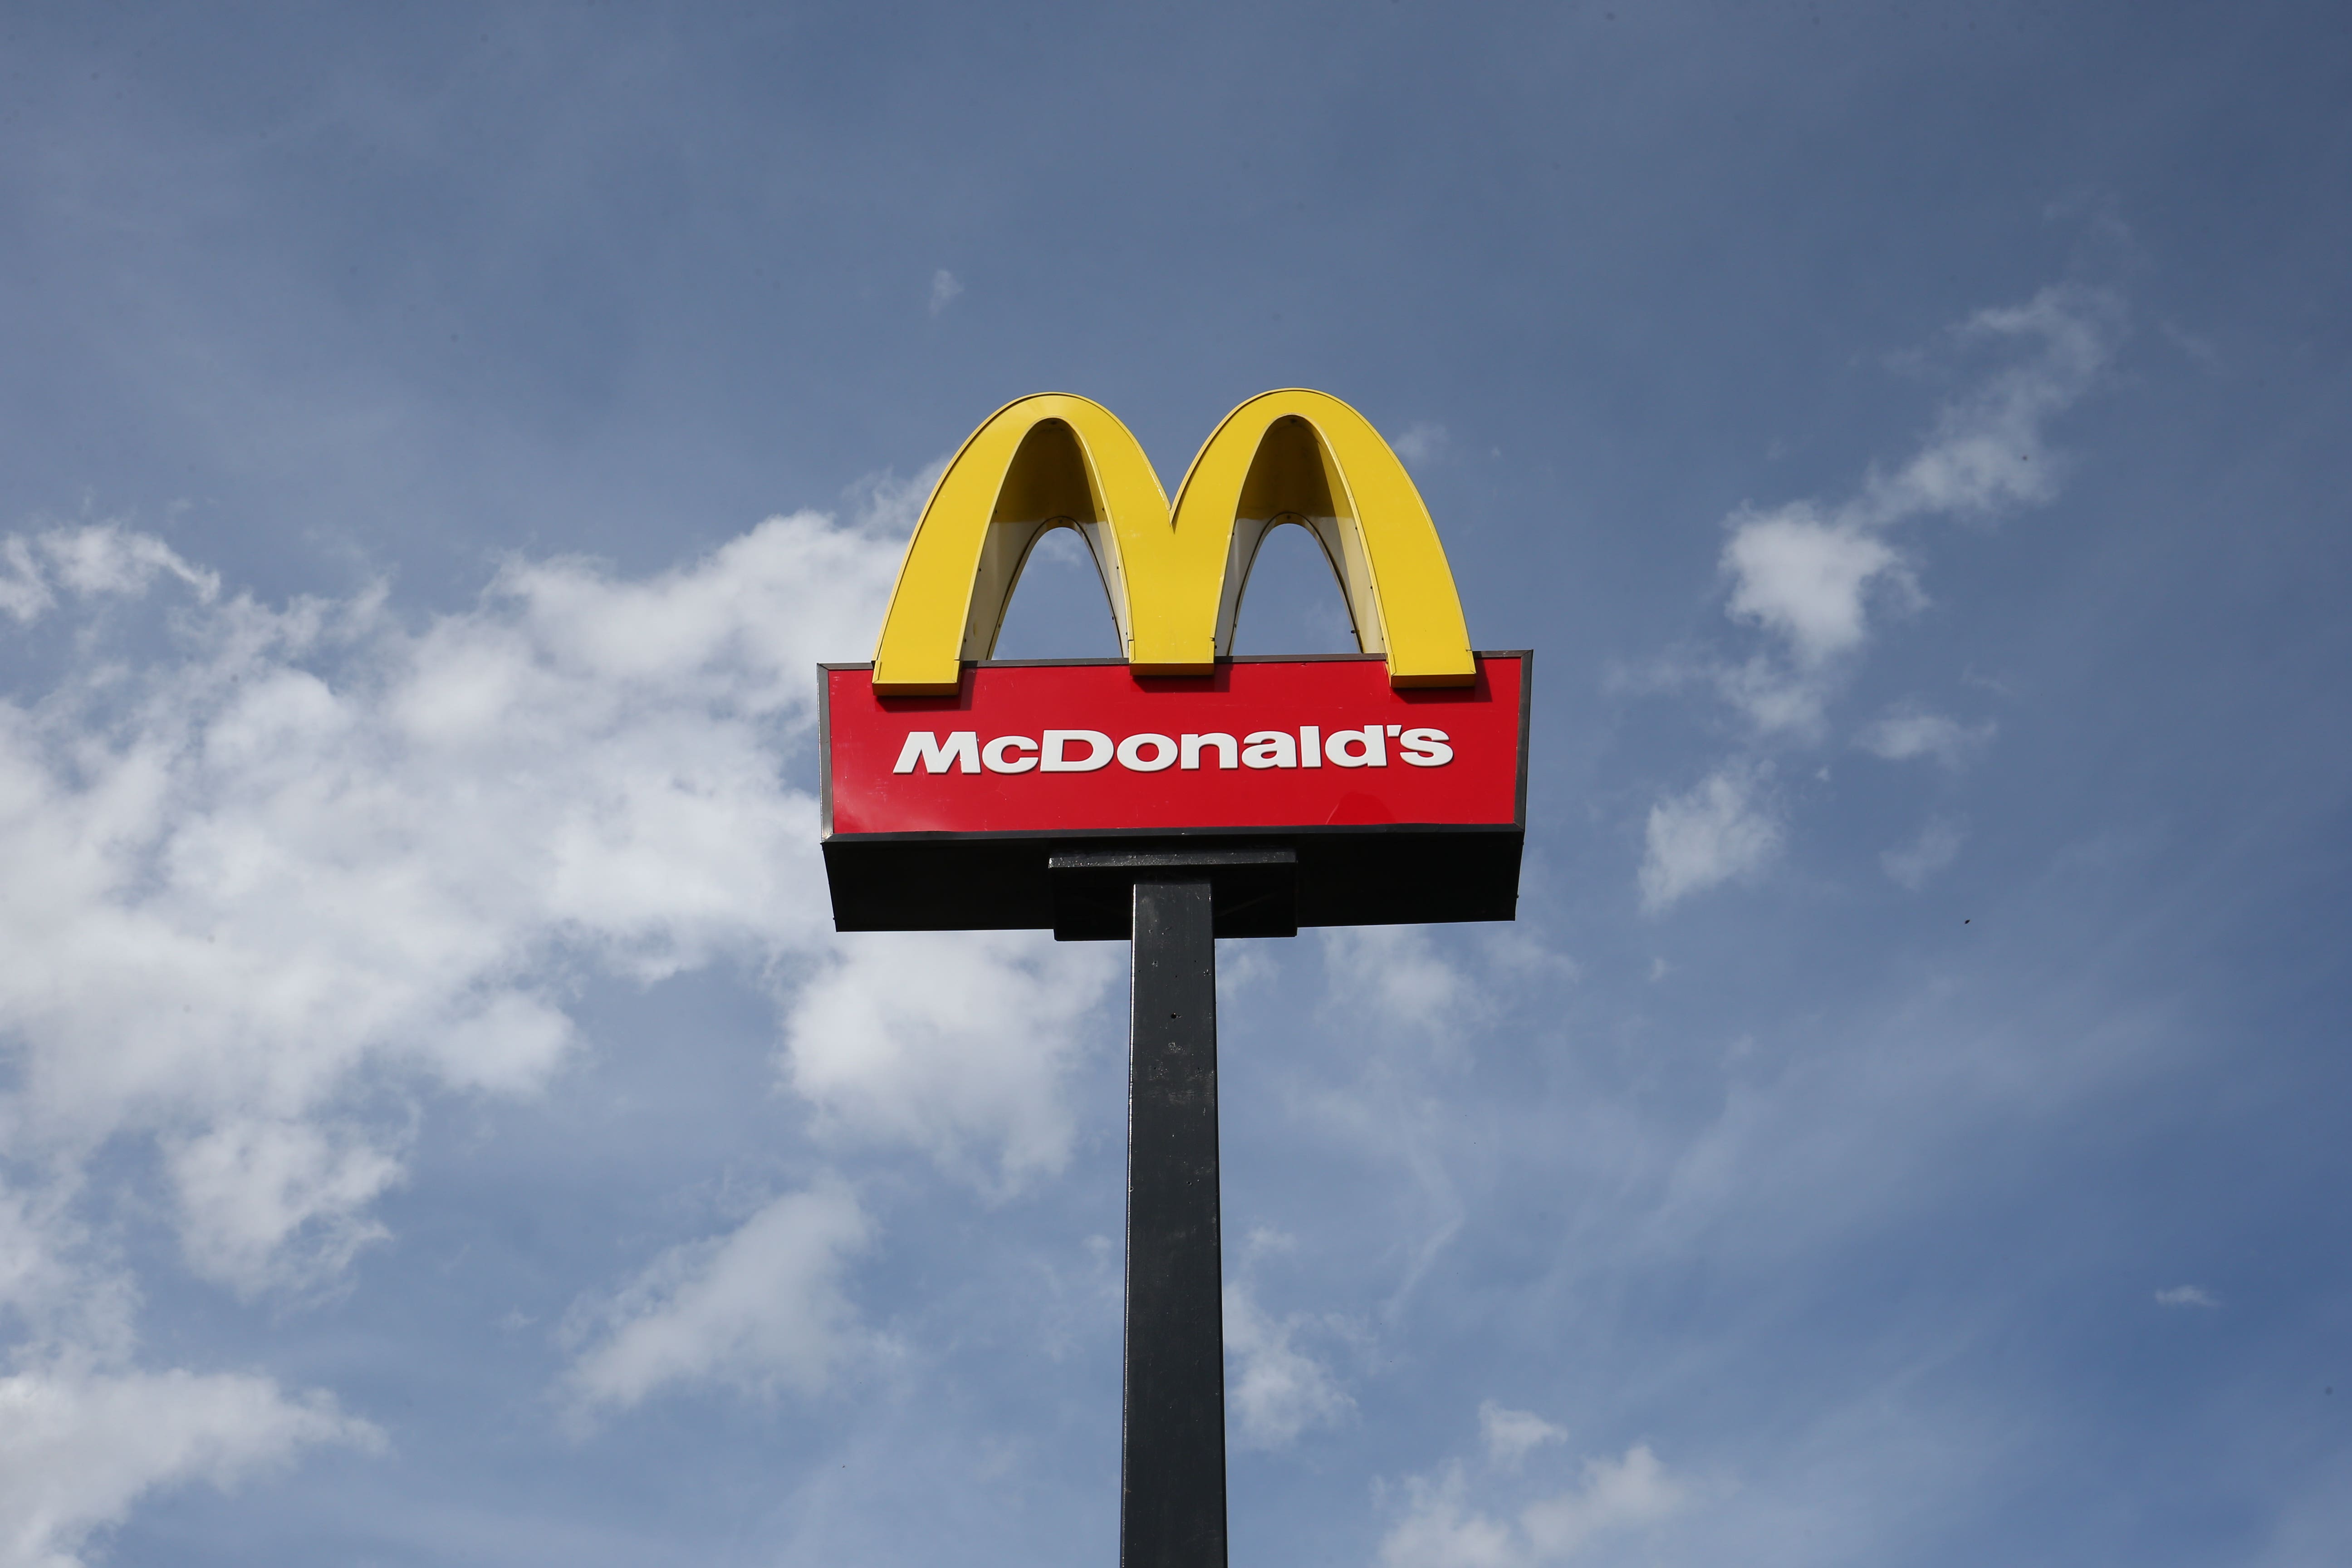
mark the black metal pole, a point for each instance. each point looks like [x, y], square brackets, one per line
[1172, 1511]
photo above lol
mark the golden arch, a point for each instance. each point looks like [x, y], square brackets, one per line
[1174, 578]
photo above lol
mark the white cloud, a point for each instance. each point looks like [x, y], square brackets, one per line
[1907, 731]
[957, 1043]
[1987, 452]
[2186, 1296]
[89, 560]
[79, 1446]
[1396, 976]
[1264, 1241]
[318, 839]
[1774, 700]
[1938, 846]
[1421, 442]
[945, 286]
[49, 1291]
[1807, 574]
[1711, 834]
[1438, 1531]
[1804, 578]
[1617, 1495]
[1511, 1434]
[1516, 950]
[1441, 1528]
[1275, 1391]
[248, 1185]
[269, 884]
[758, 1310]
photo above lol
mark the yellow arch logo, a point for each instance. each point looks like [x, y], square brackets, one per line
[1174, 575]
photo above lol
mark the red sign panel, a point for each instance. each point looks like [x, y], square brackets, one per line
[1265, 744]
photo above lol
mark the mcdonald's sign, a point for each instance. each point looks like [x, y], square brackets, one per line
[963, 791]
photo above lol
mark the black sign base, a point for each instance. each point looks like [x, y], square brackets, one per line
[1253, 891]
[1011, 881]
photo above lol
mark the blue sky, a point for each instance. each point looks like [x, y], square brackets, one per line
[437, 1124]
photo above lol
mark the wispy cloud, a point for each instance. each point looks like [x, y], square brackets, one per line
[1395, 977]
[80, 1445]
[311, 841]
[1803, 578]
[1815, 579]
[1909, 731]
[1275, 1389]
[2186, 1296]
[1807, 574]
[968, 1065]
[88, 561]
[1512, 1434]
[1938, 846]
[1421, 442]
[754, 1310]
[267, 861]
[1443, 1523]
[1721, 828]
[945, 288]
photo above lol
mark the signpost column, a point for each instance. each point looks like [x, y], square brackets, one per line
[1172, 1451]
